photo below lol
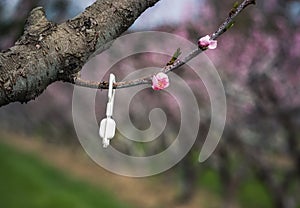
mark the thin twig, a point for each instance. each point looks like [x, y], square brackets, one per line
[147, 79]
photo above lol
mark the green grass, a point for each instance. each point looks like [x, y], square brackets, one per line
[27, 182]
[251, 192]
[210, 180]
[254, 194]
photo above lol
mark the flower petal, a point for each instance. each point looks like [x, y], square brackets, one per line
[206, 42]
[160, 81]
[213, 44]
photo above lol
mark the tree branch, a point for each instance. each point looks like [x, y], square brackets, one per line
[147, 79]
[48, 52]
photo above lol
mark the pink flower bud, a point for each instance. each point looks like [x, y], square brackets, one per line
[206, 42]
[160, 81]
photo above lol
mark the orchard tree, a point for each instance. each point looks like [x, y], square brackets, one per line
[259, 64]
[49, 52]
[262, 85]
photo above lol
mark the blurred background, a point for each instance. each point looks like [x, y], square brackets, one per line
[256, 164]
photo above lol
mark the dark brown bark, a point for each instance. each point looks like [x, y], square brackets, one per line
[48, 52]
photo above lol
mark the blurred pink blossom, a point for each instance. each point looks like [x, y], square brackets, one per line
[295, 50]
[207, 42]
[160, 81]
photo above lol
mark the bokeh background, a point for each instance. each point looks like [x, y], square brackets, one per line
[256, 164]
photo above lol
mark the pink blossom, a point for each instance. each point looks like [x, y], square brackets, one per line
[206, 42]
[160, 81]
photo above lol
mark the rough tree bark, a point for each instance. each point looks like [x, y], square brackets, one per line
[48, 52]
